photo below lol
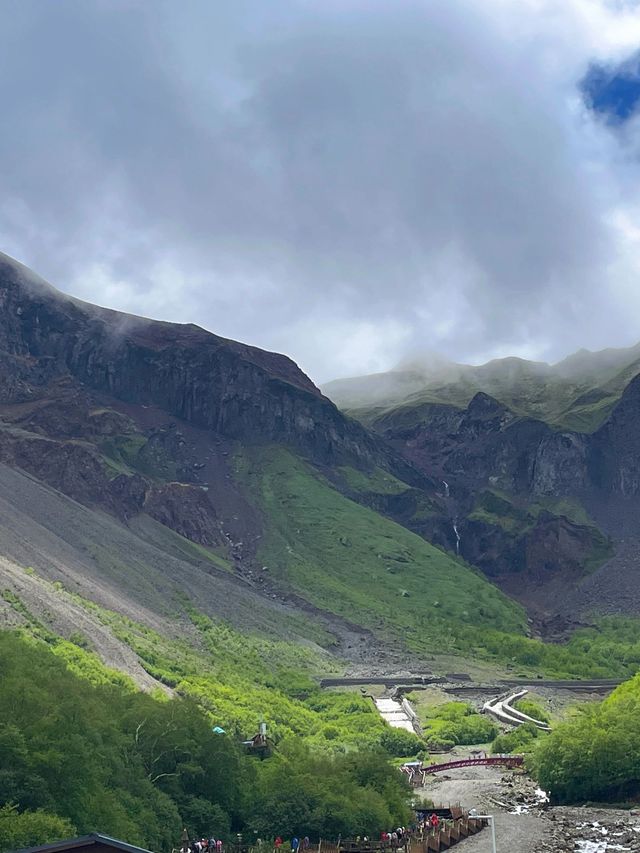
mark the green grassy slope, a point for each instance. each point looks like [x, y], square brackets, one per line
[351, 561]
[239, 678]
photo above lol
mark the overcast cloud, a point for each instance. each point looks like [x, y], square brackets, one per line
[346, 181]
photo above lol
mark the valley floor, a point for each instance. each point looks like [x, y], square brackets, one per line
[535, 829]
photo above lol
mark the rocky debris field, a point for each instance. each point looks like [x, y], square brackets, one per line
[572, 829]
[525, 822]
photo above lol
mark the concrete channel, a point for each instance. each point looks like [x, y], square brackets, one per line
[399, 715]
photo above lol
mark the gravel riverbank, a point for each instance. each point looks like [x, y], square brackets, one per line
[523, 824]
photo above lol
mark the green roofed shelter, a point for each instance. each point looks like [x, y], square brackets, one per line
[93, 843]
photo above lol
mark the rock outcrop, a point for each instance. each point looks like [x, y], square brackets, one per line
[235, 390]
[94, 403]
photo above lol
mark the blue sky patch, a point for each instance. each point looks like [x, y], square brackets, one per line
[613, 91]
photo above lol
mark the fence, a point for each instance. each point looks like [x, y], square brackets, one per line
[445, 836]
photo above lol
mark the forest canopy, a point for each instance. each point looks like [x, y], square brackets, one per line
[77, 757]
[596, 755]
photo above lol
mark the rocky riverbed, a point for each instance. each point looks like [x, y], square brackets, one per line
[524, 822]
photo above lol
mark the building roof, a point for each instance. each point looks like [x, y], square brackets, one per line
[84, 841]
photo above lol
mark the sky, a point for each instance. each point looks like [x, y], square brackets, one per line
[350, 182]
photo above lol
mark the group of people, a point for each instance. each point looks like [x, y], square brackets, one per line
[203, 845]
[399, 837]
[432, 822]
[394, 839]
[296, 843]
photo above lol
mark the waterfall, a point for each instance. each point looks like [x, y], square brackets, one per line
[455, 530]
[446, 488]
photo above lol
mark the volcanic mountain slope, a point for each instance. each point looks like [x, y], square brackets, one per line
[533, 503]
[159, 473]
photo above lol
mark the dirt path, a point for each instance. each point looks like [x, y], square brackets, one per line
[477, 787]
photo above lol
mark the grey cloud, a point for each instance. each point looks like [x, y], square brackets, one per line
[292, 173]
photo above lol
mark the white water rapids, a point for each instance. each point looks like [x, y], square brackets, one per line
[603, 846]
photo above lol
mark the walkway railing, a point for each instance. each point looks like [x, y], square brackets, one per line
[418, 774]
[434, 840]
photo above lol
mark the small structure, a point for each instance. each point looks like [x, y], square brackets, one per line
[93, 843]
[259, 744]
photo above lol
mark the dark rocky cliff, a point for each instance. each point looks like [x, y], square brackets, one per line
[614, 450]
[486, 449]
[134, 415]
[237, 391]
[486, 444]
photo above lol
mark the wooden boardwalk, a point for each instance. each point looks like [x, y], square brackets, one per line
[431, 841]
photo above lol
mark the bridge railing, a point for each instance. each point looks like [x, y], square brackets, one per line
[418, 774]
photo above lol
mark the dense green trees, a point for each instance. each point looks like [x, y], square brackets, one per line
[28, 828]
[321, 796]
[457, 723]
[596, 755]
[401, 743]
[82, 757]
[518, 740]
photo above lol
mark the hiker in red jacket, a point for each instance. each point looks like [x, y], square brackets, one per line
[435, 821]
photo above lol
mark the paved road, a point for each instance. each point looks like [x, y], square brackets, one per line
[595, 685]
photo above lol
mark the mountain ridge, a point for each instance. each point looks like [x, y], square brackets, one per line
[183, 441]
[576, 393]
[207, 450]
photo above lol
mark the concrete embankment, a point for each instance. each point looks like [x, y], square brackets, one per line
[400, 715]
[501, 708]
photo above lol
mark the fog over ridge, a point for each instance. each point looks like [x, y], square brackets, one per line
[348, 183]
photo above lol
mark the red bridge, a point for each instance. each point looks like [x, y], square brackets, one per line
[418, 773]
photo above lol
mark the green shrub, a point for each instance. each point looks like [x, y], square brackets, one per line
[532, 709]
[596, 755]
[519, 740]
[399, 742]
[457, 723]
[31, 828]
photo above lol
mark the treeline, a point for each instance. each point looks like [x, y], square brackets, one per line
[596, 755]
[77, 757]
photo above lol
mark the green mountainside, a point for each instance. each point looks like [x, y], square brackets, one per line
[536, 468]
[82, 755]
[348, 559]
[577, 393]
[192, 535]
